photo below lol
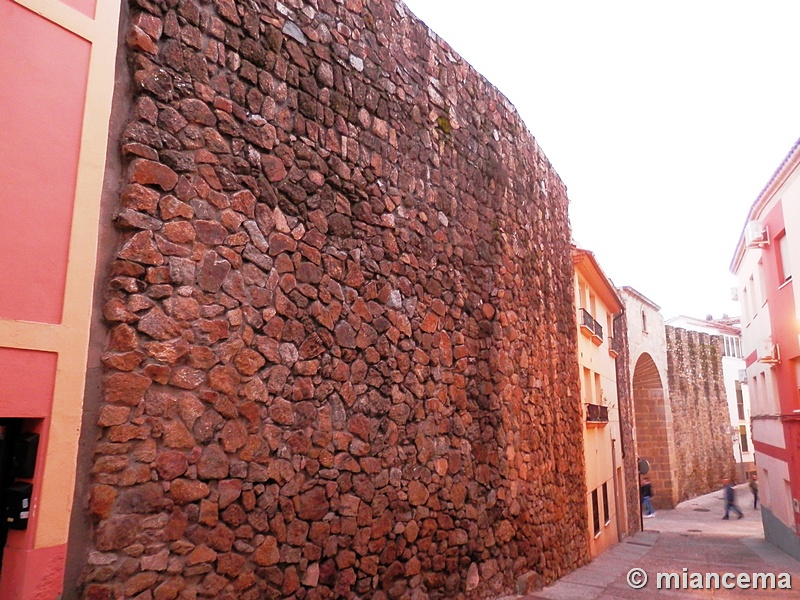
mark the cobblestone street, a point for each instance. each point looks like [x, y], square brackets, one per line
[693, 537]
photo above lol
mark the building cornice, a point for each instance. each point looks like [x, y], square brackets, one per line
[586, 263]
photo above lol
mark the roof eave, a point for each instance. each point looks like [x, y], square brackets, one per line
[784, 170]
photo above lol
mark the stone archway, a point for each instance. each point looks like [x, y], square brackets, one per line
[654, 436]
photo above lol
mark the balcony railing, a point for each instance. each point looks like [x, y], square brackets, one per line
[590, 327]
[614, 346]
[596, 414]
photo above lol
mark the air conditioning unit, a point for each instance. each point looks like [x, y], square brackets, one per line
[735, 294]
[767, 353]
[756, 234]
[742, 377]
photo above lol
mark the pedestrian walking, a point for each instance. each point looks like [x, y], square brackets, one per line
[646, 492]
[754, 489]
[730, 499]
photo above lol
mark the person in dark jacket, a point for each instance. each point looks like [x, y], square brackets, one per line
[730, 499]
[646, 492]
[754, 490]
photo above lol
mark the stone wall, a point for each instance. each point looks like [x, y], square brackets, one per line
[699, 412]
[627, 420]
[340, 357]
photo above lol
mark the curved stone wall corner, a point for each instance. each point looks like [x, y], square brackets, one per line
[341, 358]
[699, 411]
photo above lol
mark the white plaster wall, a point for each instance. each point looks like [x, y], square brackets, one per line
[769, 431]
[772, 474]
[730, 372]
[653, 341]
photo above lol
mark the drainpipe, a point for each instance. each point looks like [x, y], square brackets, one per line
[616, 490]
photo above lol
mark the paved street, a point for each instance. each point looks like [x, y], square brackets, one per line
[693, 537]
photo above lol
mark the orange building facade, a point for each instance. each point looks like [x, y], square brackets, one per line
[598, 304]
[58, 76]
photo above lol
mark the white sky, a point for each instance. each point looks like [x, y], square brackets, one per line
[664, 119]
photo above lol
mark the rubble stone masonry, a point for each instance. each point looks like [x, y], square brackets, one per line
[630, 463]
[340, 358]
[704, 452]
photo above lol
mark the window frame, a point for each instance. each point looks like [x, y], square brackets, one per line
[596, 513]
[782, 258]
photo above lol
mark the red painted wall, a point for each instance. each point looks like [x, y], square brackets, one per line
[44, 73]
[85, 6]
[26, 382]
[783, 318]
[42, 97]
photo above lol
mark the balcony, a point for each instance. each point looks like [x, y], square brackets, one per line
[590, 327]
[614, 347]
[596, 415]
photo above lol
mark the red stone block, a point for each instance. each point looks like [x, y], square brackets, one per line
[148, 172]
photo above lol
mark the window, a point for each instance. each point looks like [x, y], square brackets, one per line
[761, 298]
[731, 346]
[782, 257]
[587, 385]
[598, 389]
[743, 438]
[746, 302]
[606, 512]
[595, 513]
[752, 390]
[740, 401]
[771, 392]
[765, 401]
[797, 378]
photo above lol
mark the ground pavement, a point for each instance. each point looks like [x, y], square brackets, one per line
[694, 537]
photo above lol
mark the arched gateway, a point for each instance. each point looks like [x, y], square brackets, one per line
[654, 441]
[652, 413]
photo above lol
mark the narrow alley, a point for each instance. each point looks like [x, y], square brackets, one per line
[692, 537]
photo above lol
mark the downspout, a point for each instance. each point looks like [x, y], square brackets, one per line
[616, 489]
